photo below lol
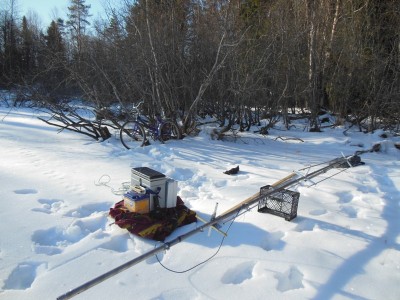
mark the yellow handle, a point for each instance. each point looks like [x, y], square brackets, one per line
[258, 194]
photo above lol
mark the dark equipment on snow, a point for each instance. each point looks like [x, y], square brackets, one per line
[272, 192]
[232, 171]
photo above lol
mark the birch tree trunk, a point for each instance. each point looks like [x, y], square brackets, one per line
[313, 77]
[156, 79]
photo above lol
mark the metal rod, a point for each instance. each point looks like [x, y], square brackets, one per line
[277, 187]
[211, 227]
[130, 263]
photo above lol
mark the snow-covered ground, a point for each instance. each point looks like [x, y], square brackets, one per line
[55, 233]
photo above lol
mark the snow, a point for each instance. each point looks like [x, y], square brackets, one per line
[56, 191]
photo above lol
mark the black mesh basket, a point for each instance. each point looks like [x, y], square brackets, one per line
[283, 203]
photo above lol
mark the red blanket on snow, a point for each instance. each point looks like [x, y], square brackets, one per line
[155, 226]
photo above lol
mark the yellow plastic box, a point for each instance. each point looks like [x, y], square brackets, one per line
[138, 203]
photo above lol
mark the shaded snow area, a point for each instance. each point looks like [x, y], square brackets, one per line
[55, 232]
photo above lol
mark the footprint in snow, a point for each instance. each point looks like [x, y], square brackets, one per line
[350, 211]
[54, 240]
[305, 225]
[219, 183]
[22, 277]
[49, 206]
[273, 241]
[89, 209]
[290, 280]
[345, 197]
[239, 273]
[318, 212]
[367, 188]
[120, 243]
[25, 191]
[181, 174]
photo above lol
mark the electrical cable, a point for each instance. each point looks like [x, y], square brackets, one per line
[206, 260]
[105, 179]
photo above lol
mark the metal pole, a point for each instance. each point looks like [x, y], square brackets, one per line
[278, 186]
[131, 263]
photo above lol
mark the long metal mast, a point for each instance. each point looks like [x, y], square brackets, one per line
[290, 180]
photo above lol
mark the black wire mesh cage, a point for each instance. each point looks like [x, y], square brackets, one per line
[283, 203]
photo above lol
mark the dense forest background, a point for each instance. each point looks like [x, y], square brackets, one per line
[227, 58]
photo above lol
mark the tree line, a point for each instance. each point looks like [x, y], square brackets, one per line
[239, 60]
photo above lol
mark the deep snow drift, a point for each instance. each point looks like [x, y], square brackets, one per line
[55, 233]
